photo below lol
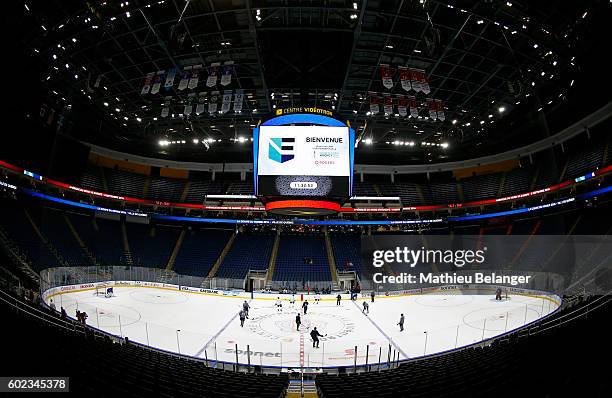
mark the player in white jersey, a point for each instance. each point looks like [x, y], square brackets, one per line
[292, 300]
[279, 305]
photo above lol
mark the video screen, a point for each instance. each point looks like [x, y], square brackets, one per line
[312, 161]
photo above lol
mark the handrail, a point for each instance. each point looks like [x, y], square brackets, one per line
[586, 309]
[42, 318]
[76, 328]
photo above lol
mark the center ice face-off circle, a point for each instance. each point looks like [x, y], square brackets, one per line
[279, 325]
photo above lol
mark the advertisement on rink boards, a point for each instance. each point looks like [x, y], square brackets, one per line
[92, 286]
[551, 263]
[303, 161]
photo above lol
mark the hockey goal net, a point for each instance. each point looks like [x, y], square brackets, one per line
[503, 295]
[104, 290]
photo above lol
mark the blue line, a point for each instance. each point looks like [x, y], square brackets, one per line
[217, 335]
[397, 347]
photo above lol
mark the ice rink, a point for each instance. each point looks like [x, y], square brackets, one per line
[207, 325]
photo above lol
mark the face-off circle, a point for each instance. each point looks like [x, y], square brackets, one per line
[280, 326]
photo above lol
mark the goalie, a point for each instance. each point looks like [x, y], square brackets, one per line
[498, 294]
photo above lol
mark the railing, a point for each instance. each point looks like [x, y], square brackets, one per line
[70, 326]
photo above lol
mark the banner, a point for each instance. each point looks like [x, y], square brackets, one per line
[213, 71]
[157, 81]
[147, 85]
[387, 76]
[415, 81]
[200, 106]
[431, 105]
[228, 69]
[195, 77]
[227, 101]
[238, 99]
[424, 83]
[404, 74]
[185, 78]
[414, 110]
[166, 109]
[170, 78]
[212, 102]
[374, 103]
[189, 105]
[401, 106]
[388, 104]
[440, 110]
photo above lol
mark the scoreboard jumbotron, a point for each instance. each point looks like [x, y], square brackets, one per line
[303, 163]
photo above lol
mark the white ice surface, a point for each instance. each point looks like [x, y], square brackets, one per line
[207, 326]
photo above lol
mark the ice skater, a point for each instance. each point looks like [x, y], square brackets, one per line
[366, 307]
[372, 295]
[292, 300]
[498, 294]
[242, 315]
[305, 306]
[401, 323]
[317, 298]
[338, 298]
[314, 334]
[246, 307]
[279, 305]
[298, 321]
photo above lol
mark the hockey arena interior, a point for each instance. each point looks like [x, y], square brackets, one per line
[322, 198]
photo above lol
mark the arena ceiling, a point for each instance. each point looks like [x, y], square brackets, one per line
[499, 67]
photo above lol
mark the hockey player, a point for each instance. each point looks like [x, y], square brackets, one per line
[245, 308]
[372, 295]
[401, 323]
[298, 321]
[242, 315]
[317, 298]
[292, 300]
[498, 294]
[366, 307]
[305, 306]
[338, 298]
[314, 334]
[279, 305]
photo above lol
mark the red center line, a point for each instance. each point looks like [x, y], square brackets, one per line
[302, 349]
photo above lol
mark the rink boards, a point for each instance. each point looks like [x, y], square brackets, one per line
[204, 323]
